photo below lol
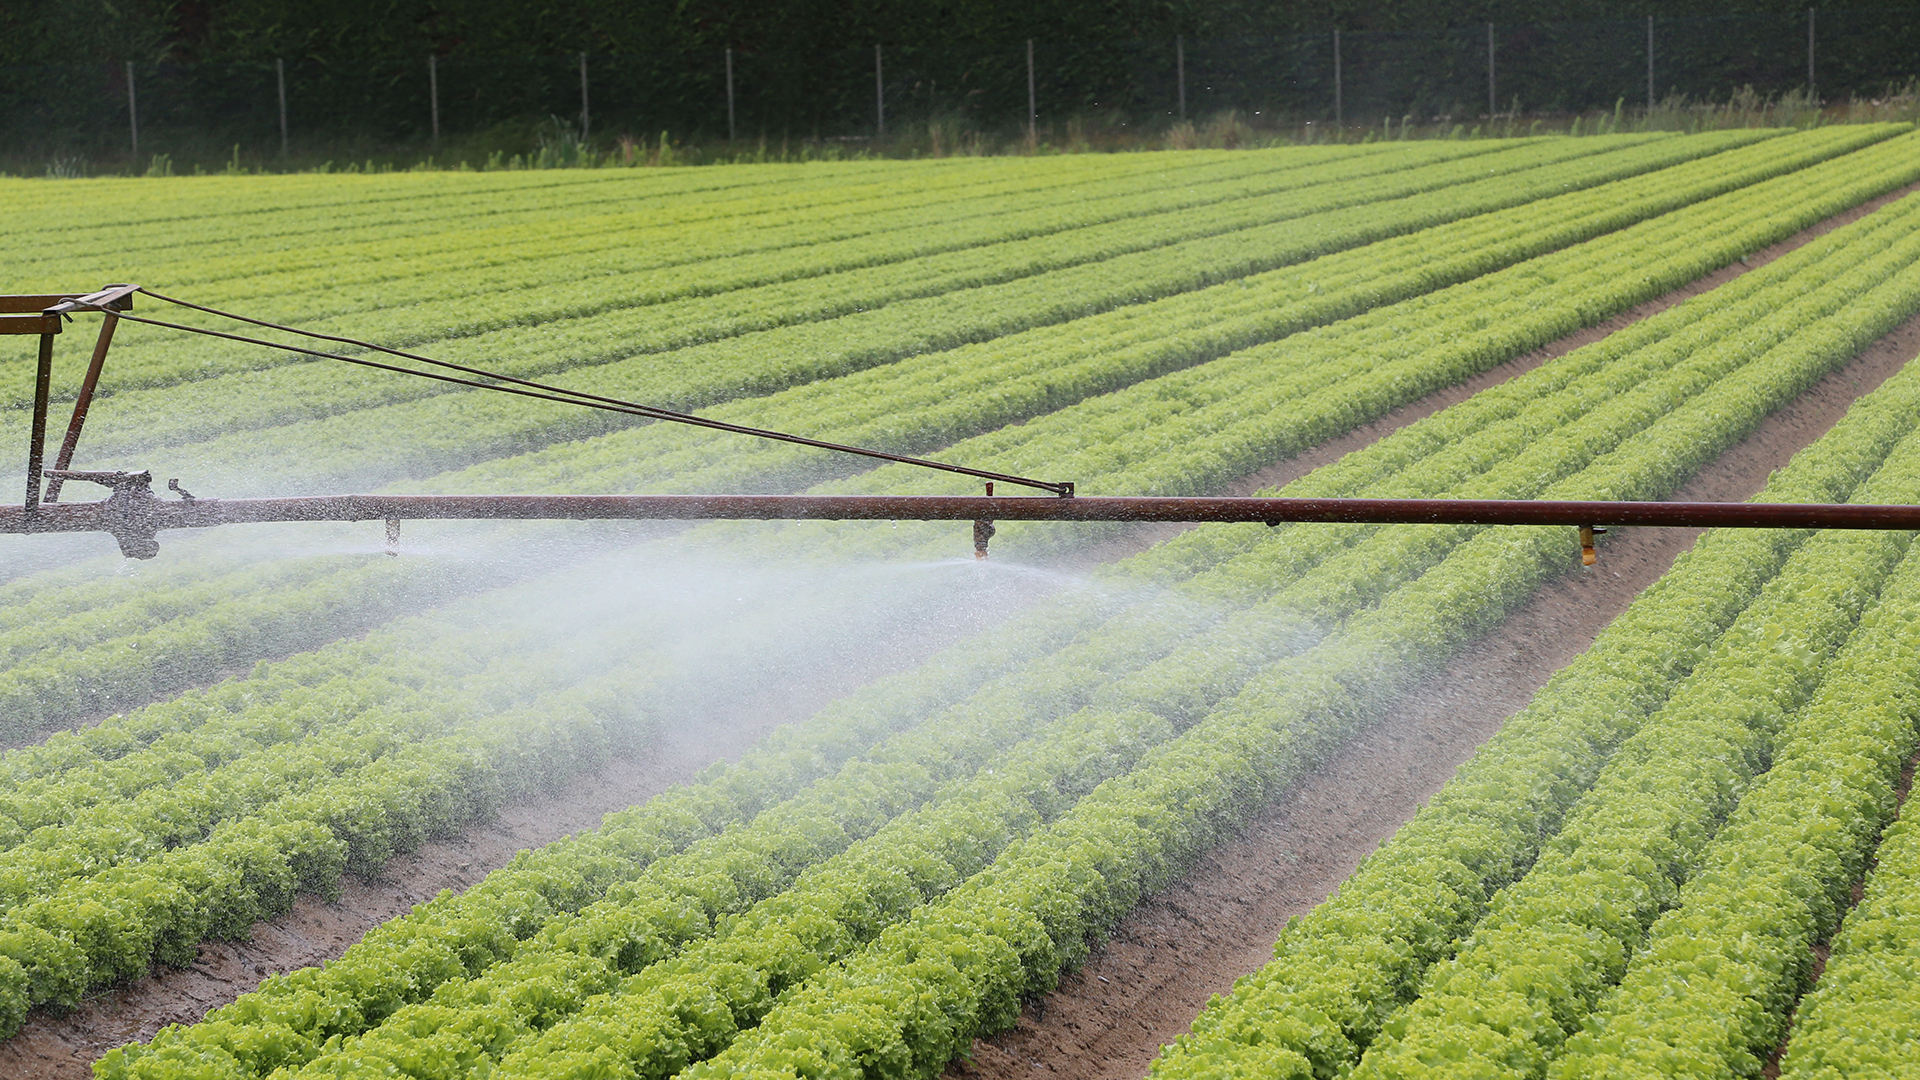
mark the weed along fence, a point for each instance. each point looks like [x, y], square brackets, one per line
[1037, 89]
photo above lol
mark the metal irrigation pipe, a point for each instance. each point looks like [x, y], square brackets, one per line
[134, 515]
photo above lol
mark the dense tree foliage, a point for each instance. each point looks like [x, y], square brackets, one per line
[236, 29]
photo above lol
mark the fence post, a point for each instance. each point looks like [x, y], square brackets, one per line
[1649, 64]
[1491, 96]
[729, 93]
[1812, 98]
[280, 77]
[1033, 111]
[433, 94]
[133, 111]
[586, 117]
[879, 96]
[1339, 114]
[1180, 69]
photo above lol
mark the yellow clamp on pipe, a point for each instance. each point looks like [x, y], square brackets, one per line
[1588, 556]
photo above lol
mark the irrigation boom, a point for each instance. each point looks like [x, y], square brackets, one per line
[134, 515]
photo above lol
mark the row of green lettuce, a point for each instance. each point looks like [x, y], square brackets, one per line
[1711, 987]
[1683, 248]
[276, 223]
[237, 751]
[289, 215]
[557, 326]
[633, 1032]
[1859, 1021]
[152, 778]
[1331, 575]
[17, 611]
[960, 966]
[302, 786]
[1155, 374]
[1551, 943]
[1342, 975]
[98, 662]
[412, 287]
[649, 257]
[1264, 403]
[282, 1007]
[118, 673]
[1047, 342]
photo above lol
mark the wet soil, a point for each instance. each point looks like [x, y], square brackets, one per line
[1178, 948]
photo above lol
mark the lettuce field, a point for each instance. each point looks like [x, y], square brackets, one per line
[587, 801]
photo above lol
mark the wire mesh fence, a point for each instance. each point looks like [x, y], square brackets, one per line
[853, 94]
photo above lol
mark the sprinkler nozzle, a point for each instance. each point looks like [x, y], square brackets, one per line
[1588, 556]
[983, 531]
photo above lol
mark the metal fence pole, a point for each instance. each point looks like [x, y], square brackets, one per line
[1649, 63]
[1180, 69]
[729, 93]
[133, 111]
[1033, 110]
[433, 94]
[879, 96]
[586, 117]
[1339, 114]
[1811, 96]
[280, 77]
[1490, 94]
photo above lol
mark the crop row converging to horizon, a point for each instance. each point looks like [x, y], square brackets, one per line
[1630, 879]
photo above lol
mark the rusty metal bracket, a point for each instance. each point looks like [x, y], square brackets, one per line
[127, 513]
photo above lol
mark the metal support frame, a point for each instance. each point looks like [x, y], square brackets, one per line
[43, 314]
[82, 403]
[37, 437]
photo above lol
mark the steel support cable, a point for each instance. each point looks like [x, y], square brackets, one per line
[549, 392]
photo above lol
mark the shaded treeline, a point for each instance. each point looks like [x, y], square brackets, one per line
[807, 70]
